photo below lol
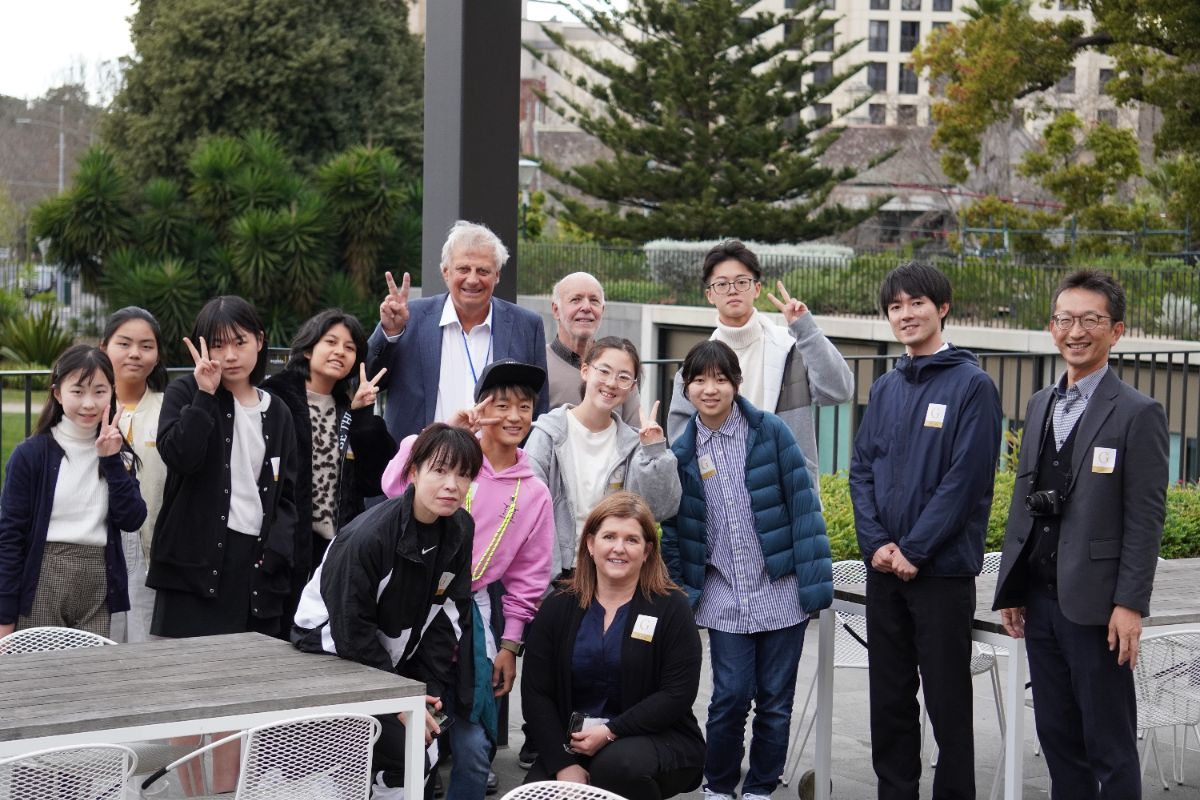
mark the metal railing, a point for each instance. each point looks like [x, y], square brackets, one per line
[1162, 302]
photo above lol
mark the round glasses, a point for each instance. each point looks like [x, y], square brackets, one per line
[739, 285]
[1089, 322]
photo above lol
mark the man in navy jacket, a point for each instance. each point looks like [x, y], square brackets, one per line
[921, 482]
[434, 348]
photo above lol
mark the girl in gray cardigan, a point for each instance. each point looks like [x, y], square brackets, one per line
[585, 452]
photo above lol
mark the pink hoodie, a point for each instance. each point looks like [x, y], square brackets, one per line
[522, 557]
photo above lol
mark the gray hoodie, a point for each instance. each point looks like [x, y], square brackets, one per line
[648, 470]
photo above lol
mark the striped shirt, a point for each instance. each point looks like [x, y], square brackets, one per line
[1070, 403]
[738, 596]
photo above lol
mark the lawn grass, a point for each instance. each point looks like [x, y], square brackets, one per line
[12, 431]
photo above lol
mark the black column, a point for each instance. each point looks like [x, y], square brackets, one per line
[472, 98]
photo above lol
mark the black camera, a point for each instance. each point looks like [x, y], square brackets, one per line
[1046, 503]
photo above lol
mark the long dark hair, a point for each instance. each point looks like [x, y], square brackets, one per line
[310, 334]
[90, 360]
[218, 320]
[157, 379]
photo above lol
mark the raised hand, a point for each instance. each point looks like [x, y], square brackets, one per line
[650, 431]
[473, 419]
[207, 371]
[367, 389]
[393, 311]
[791, 308]
[108, 443]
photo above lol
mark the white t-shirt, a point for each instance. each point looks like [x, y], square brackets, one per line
[245, 465]
[590, 453]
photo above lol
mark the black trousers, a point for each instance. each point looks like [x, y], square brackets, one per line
[630, 767]
[1085, 706]
[925, 625]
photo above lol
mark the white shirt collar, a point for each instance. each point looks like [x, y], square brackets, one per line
[450, 315]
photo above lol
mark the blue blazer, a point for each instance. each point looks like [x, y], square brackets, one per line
[414, 360]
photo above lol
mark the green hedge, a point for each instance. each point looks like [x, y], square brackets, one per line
[1181, 532]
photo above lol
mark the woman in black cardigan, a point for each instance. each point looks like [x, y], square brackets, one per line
[616, 653]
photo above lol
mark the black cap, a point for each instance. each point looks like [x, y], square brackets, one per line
[509, 372]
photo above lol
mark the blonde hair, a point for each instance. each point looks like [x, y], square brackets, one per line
[653, 578]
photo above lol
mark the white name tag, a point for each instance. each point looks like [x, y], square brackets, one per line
[644, 627]
[1104, 459]
[935, 415]
[617, 479]
[707, 467]
[275, 466]
[444, 582]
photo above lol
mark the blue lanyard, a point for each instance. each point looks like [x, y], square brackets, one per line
[467, 347]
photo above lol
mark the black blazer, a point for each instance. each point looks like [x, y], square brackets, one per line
[1112, 526]
[659, 680]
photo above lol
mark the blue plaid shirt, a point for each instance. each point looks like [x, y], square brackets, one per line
[1071, 403]
[738, 595]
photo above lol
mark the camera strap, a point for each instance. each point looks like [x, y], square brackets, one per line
[1037, 462]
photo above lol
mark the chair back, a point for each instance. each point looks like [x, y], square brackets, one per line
[1167, 679]
[319, 757]
[79, 772]
[559, 790]
[991, 563]
[43, 639]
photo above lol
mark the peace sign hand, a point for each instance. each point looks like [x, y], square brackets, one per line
[651, 432]
[108, 443]
[207, 371]
[367, 389]
[473, 419]
[393, 311]
[791, 308]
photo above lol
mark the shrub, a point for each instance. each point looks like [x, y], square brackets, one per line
[34, 340]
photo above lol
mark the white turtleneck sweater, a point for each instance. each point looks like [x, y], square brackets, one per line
[80, 511]
[747, 343]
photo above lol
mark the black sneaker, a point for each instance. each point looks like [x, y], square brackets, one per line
[527, 755]
[493, 784]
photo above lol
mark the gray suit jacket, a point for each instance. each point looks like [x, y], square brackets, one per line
[1112, 524]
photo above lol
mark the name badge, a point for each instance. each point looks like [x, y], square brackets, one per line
[644, 627]
[150, 443]
[935, 415]
[444, 583]
[617, 479]
[275, 466]
[1104, 459]
[707, 467]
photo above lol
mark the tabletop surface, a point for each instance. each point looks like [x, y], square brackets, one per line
[106, 688]
[1175, 600]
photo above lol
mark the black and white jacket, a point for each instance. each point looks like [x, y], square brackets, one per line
[382, 600]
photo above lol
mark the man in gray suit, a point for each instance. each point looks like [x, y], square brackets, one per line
[1081, 546]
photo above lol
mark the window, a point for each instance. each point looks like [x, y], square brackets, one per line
[877, 113]
[881, 5]
[823, 5]
[910, 5]
[937, 26]
[1106, 75]
[788, 27]
[906, 115]
[791, 123]
[822, 112]
[877, 76]
[823, 43]
[1066, 85]
[910, 36]
[943, 5]
[1107, 116]
[877, 42]
[908, 79]
[822, 73]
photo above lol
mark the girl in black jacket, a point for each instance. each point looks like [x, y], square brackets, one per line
[612, 666]
[344, 447]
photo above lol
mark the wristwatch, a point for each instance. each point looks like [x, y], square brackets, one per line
[516, 648]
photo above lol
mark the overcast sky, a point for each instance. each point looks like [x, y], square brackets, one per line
[45, 43]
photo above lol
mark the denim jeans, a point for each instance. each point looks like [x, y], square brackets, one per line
[745, 667]
[472, 750]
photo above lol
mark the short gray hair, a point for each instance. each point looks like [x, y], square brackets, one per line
[557, 290]
[472, 236]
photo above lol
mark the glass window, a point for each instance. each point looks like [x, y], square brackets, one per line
[823, 43]
[908, 79]
[937, 26]
[910, 36]
[881, 5]
[877, 113]
[943, 5]
[910, 5]
[1106, 75]
[877, 76]
[1107, 116]
[906, 115]
[822, 111]
[877, 42]
[822, 73]
[1066, 84]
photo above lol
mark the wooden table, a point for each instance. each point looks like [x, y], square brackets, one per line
[180, 687]
[1175, 601]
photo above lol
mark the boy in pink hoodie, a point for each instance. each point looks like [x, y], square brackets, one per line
[514, 536]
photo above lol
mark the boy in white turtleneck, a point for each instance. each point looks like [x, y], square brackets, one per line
[784, 370]
[67, 496]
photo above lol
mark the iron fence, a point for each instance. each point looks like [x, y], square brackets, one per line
[38, 287]
[1163, 302]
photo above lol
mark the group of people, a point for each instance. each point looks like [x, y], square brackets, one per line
[535, 510]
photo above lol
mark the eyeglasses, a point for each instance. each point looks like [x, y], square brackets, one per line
[1089, 322]
[623, 379]
[739, 285]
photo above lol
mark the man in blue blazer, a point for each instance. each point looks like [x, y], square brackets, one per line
[435, 348]
[1078, 565]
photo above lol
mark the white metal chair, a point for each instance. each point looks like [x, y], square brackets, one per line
[47, 638]
[78, 772]
[849, 651]
[319, 757]
[1167, 682]
[559, 790]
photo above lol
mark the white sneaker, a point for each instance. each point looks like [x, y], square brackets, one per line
[756, 797]
[709, 794]
[381, 791]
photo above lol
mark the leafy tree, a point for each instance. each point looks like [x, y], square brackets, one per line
[703, 112]
[321, 76]
[1082, 169]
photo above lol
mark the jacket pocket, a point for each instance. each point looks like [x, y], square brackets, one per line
[1105, 548]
